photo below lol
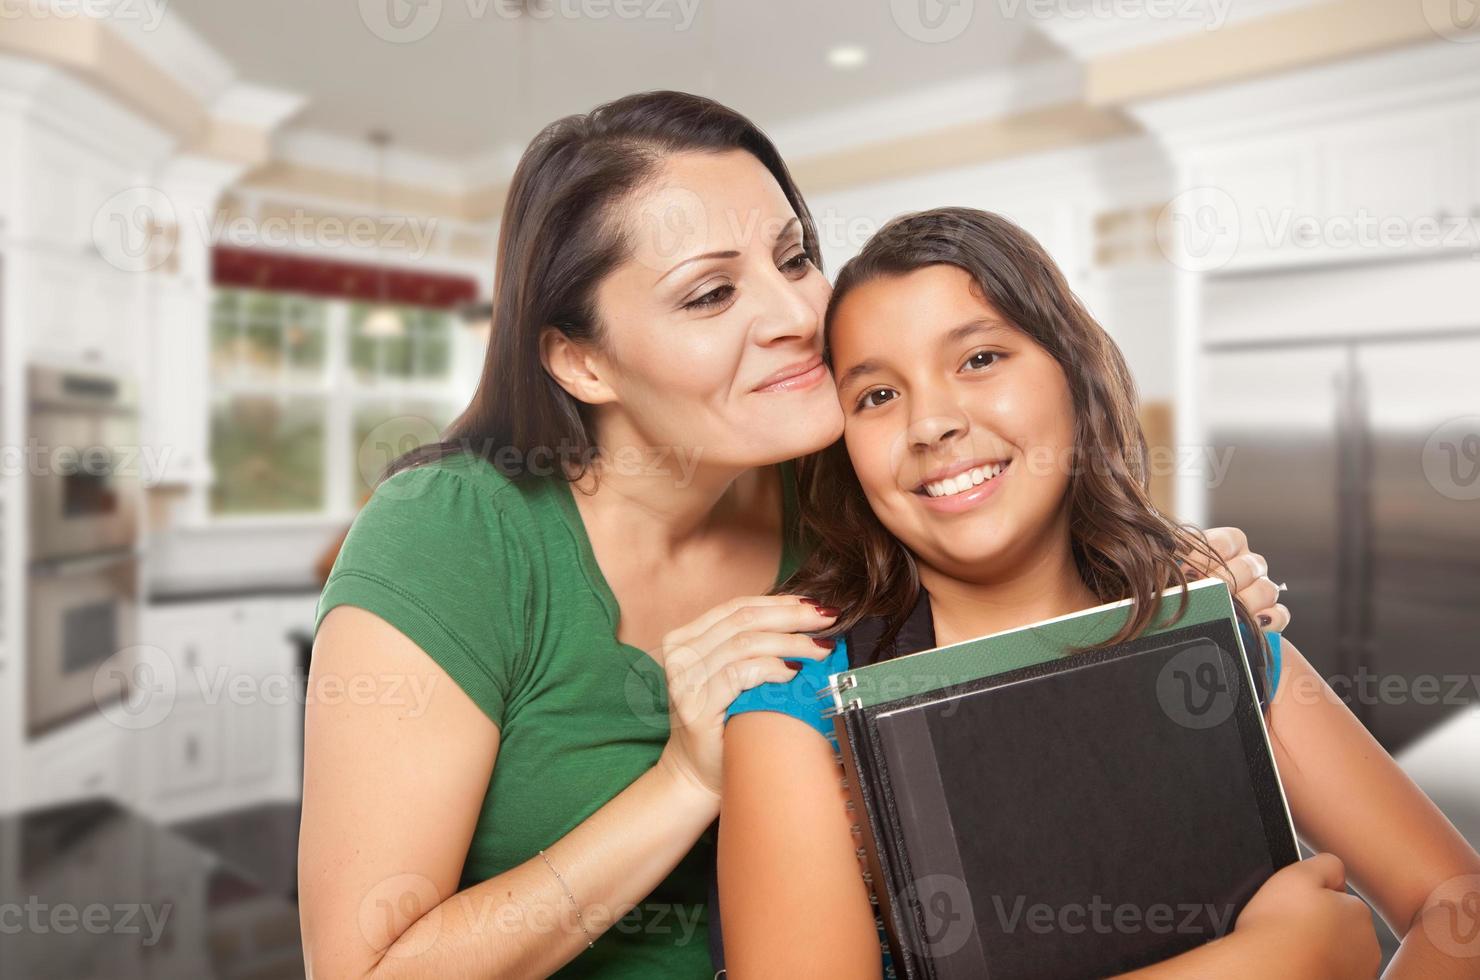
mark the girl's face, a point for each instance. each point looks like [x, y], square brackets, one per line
[959, 426]
[713, 337]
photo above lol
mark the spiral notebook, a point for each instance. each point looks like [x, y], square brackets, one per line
[1028, 811]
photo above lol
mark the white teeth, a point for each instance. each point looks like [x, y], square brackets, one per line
[962, 482]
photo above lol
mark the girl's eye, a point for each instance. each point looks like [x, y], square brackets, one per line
[715, 297]
[981, 359]
[875, 397]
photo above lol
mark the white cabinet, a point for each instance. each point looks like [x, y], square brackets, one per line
[232, 736]
[1399, 184]
[1265, 189]
[75, 763]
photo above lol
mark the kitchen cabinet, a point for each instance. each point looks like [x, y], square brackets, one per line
[78, 762]
[232, 737]
[1263, 186]
[1391, 185]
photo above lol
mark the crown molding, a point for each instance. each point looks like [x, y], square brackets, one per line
[972, 100]
[1422, 75]
[1087, 36]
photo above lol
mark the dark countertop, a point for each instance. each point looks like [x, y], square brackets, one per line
[224, 590]
[92, 890]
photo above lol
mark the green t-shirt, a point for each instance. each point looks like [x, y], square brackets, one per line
[496, 580]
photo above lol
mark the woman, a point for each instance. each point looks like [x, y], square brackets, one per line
[963, 363]
[573, 583]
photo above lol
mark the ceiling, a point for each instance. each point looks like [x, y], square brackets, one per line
[457, 79]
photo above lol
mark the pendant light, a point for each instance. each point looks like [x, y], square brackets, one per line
[384, 320]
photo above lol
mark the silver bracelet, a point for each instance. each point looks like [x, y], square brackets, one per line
[573, 904]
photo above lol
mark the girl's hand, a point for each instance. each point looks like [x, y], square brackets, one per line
[731, 648]
[1304, 923]
[1249, 579]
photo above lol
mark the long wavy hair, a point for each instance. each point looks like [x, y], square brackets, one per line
[1123, 546]
[559, 239]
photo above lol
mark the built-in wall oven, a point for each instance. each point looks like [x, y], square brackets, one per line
[84, 499]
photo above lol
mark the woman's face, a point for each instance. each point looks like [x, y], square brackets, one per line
[959, 426]
[713, 336]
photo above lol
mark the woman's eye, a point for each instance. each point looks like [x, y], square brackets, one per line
[715, 297]
[797, 263]
[981, 359]
[875, 397]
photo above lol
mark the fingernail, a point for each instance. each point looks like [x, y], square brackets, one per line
[1264, 620]
[828, 611]
[823, 641]
[793, 664]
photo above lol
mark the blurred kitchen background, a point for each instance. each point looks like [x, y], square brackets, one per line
[246, 255]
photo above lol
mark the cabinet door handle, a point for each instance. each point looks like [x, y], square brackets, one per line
[192, 750]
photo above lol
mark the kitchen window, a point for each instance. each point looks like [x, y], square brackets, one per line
[312, 398]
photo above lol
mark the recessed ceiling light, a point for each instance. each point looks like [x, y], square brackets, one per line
[846, 56]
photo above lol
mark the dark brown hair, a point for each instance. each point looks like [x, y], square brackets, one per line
[1123, 547]
[558, 240]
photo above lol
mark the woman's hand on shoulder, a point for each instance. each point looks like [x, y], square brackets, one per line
[731, 648]
[1247, 575]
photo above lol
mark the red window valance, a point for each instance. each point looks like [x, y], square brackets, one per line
[246, 268]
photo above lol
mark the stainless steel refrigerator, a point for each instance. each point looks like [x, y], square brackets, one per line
[1354, 466]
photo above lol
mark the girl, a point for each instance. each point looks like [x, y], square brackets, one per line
[991, 474]
[574, 579]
